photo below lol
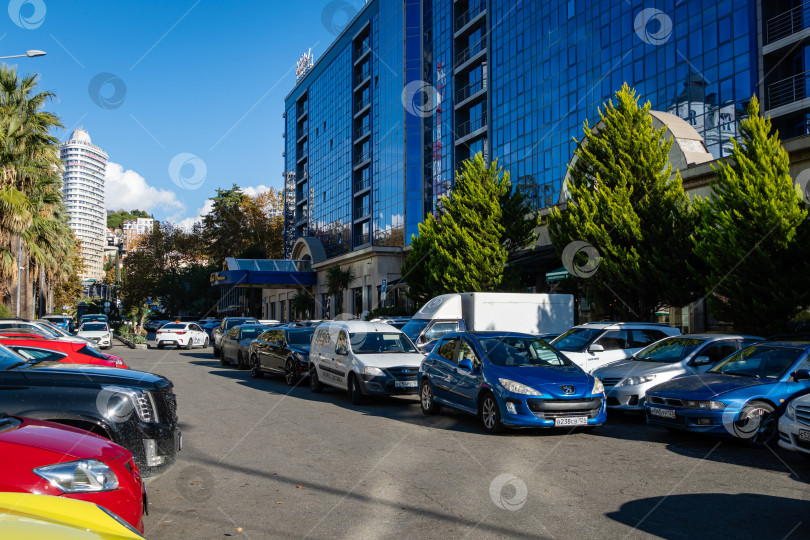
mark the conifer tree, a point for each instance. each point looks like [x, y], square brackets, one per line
[415, 270]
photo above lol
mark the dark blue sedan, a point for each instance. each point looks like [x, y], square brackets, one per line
[743, 395]
[509, 379]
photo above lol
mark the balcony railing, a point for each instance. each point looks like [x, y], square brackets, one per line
[362, 211]
[361, 131]
[362, 75]
[362, 156]
[788, 90]
[362, 239]
[470, 14]
[470, 89]
[362, 104]
[472, 50]
[473, 124]
[361, 183]
[301, 215]
[787, 23]
[362, 49]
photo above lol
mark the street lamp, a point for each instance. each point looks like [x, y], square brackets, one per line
[29, 54]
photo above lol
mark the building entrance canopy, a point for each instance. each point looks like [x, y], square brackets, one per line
[264, 273]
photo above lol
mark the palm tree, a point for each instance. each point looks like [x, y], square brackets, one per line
[337, 281]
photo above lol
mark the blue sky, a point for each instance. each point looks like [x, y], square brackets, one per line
[153, 80]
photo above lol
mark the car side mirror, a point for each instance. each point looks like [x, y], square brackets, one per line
[465, 363]
[702, 361]
[800, 375]
[596, 348]
[341, 350]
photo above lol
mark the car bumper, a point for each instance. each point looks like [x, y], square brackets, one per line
[695, 420]
[171, 342]
[790, 436]
[154, 447]
[625, 398]
[520, 411]
[389, 385]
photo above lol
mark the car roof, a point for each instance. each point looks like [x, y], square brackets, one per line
[496, 333]
[616, 324]
[709, 336]
[359, 326]
[793, 344]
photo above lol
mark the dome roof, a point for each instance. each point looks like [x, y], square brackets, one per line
[81, 136]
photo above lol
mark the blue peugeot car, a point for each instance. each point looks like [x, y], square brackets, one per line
[509, 380]
[742, 396]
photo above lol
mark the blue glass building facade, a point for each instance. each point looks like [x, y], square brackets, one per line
[412, 88]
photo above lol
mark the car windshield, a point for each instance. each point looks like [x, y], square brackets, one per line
[576, 339]
[669, 350]
[414, 328]
[9, 359]
[300, 337]
[173, 326]
[94, 327]
[522, 351]
[380, 342]
[230, 323]
[760, 362]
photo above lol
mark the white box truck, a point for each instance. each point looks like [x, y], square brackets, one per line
[540, 314]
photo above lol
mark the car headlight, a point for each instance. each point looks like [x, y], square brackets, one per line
[790, 410]
[372, 371]
[633, 381]
[704, 404]
[598, 387]
[116, 404]
[85, 476]
[517, 388]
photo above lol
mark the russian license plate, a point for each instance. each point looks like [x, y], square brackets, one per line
[405, 384]
[571, 421]
[804, 435]
[663, 413]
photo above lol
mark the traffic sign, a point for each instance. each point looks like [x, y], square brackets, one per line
[383, 286]
[383, 296]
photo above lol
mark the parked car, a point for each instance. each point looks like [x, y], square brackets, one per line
[181, 334]
[794, 425]
[48, 350]
[93, 317]
[268, 322]
[65, 322]
[134, 409]
[281, 351]
[363, 358]
[235, 344]
[626, 381]
[89, 348]
[43, 328]
[226, 324]
[208, 328]
[97, 331]
[51, 459]
[596, 344]
[509, 380]
[740, 396]
[45, 517]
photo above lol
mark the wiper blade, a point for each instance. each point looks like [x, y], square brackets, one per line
[740, 374]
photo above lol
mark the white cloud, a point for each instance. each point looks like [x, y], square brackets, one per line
[255, 190]
[189, 222]
[128, 190]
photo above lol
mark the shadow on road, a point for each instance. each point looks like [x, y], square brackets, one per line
[716, 515]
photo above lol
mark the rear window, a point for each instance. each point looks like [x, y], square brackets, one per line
[94, 327]
[173, 326]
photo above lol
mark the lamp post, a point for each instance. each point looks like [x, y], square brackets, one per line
[29, 54]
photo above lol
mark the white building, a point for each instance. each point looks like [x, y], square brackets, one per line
[83, 186]
[134, 230]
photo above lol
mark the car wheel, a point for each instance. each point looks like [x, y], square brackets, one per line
[240, 362]
[255, 371]
[160, 345]
[223, 361]
[355, 394]
[429, 405]
[314, 383]
[205, 343]
[490, 414]
[290, 373]
[189, 345]
[215, 352]
[757, 424]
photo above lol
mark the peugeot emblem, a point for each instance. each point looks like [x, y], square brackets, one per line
[567, 388]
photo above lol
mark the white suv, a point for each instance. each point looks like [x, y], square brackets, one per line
[363, 358]
[597, 344]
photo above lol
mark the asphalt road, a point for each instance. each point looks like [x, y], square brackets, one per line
[261, 460]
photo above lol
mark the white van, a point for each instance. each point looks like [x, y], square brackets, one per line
[363, 358]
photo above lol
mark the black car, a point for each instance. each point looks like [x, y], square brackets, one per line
[227, 323]
[282, 351]
[135, 409]
[235, 344]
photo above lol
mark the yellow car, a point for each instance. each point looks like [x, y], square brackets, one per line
[38, 517]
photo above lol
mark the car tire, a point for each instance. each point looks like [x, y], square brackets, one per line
[240, 362]
[189, 345]
[426, 398]
[205, 343]
[290, 373]
[255, 371]
[355, 393]
[223, 361]
[314, 383]
[490, 414]
[756, 424]
[160, 345]
[215, 352]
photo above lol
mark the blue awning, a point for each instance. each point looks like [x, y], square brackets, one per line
[264, 273]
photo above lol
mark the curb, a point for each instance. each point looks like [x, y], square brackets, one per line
[129, 344]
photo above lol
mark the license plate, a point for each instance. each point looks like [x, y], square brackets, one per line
[405, 384]
[663, 413]
[571, 421]
[804, 435]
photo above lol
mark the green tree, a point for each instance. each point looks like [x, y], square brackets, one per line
[337, 281]
[116, 219]
[625, 202]
[754, 234]
[69, 291]
[224, 228]
[302, 305]
[416, 268]
[519, 223]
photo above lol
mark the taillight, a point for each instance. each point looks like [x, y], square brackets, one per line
[179, 333]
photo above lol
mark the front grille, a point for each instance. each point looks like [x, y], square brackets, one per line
[549, 409]
[168, 404]
[610, 381]
[403, 373]
[803, 415]
[666, 401]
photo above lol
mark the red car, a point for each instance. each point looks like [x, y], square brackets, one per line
[52, 350]
[23, 334]
[52, 459]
